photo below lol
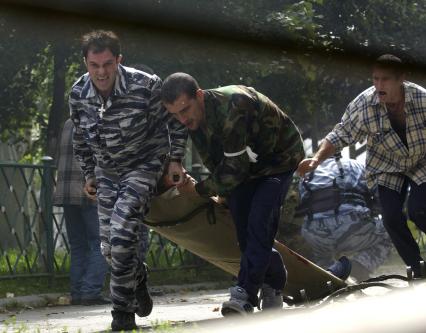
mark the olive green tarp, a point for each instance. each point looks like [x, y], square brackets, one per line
[205, 228]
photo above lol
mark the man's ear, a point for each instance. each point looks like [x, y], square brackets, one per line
[84, 60]
[200, 95]
[119, 59]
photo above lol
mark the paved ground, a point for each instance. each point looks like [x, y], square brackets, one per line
[392, 312]
[173, 306]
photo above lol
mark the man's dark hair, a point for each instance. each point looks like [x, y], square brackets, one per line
[99, 41]
[390, 62]
[178, 84]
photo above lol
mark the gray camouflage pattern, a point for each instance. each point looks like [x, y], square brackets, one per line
[132, 132]
[356, 235]
[121, 207]
[123, 142]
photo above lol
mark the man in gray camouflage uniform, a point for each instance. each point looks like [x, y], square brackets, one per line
[122, 139]
[251, 148]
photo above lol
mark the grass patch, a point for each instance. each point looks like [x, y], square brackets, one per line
[33, 285]
[206, 273]
[40, 285]
[29, 261]
[13, 305]
[165, 327]
[10, 325]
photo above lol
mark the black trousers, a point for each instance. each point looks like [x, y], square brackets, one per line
[395, 220]
[255, 208]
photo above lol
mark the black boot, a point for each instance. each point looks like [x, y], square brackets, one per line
[123, 321]
[143, 297]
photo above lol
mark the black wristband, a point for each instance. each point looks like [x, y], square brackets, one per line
[178, 160]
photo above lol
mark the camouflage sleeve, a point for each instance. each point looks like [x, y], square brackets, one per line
[82, 151]
[235, 165]
[178, 132]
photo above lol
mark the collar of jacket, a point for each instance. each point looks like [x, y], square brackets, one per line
[120, 85]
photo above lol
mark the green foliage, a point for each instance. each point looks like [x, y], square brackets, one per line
[310, 84]
[205, 273]
[15, 260]
[33, 285]
[42, 76]
[166, 326]
[29, 99]
[302, 19]
[167, 255]
[373, 26]
[29, 261]
[418, 235]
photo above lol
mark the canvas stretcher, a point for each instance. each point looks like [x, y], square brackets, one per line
[205, 228]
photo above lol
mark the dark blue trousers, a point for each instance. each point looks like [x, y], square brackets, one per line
[255, 208]
[395, 220]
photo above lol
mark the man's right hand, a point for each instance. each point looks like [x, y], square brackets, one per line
[89, 188]
[188, 186]
[326, 150]
[307, 165]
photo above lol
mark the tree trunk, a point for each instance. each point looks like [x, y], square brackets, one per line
[58, 110]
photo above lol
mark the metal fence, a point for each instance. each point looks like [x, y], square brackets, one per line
[33, 238]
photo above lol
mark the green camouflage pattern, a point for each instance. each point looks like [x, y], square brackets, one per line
[289, 227]
[238, 117]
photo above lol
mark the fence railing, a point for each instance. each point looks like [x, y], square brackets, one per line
[33, 238]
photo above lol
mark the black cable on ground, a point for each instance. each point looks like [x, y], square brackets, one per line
[387, 277]
[346, 291]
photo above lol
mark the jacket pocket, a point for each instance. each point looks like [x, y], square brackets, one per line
[133, 129]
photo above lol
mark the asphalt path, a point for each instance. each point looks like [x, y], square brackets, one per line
[195, 307]
[170, 309]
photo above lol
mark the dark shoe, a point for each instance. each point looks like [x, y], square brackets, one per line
[270, 298]
[95, 301]
[123, 321]
[143, 297]
[238, 304]
[341, 268]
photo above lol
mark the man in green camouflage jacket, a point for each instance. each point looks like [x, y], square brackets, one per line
[251, 148]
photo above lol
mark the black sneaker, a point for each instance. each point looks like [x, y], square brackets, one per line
[123, 321]
[95, 301]
[143, 297]
[341, 268]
